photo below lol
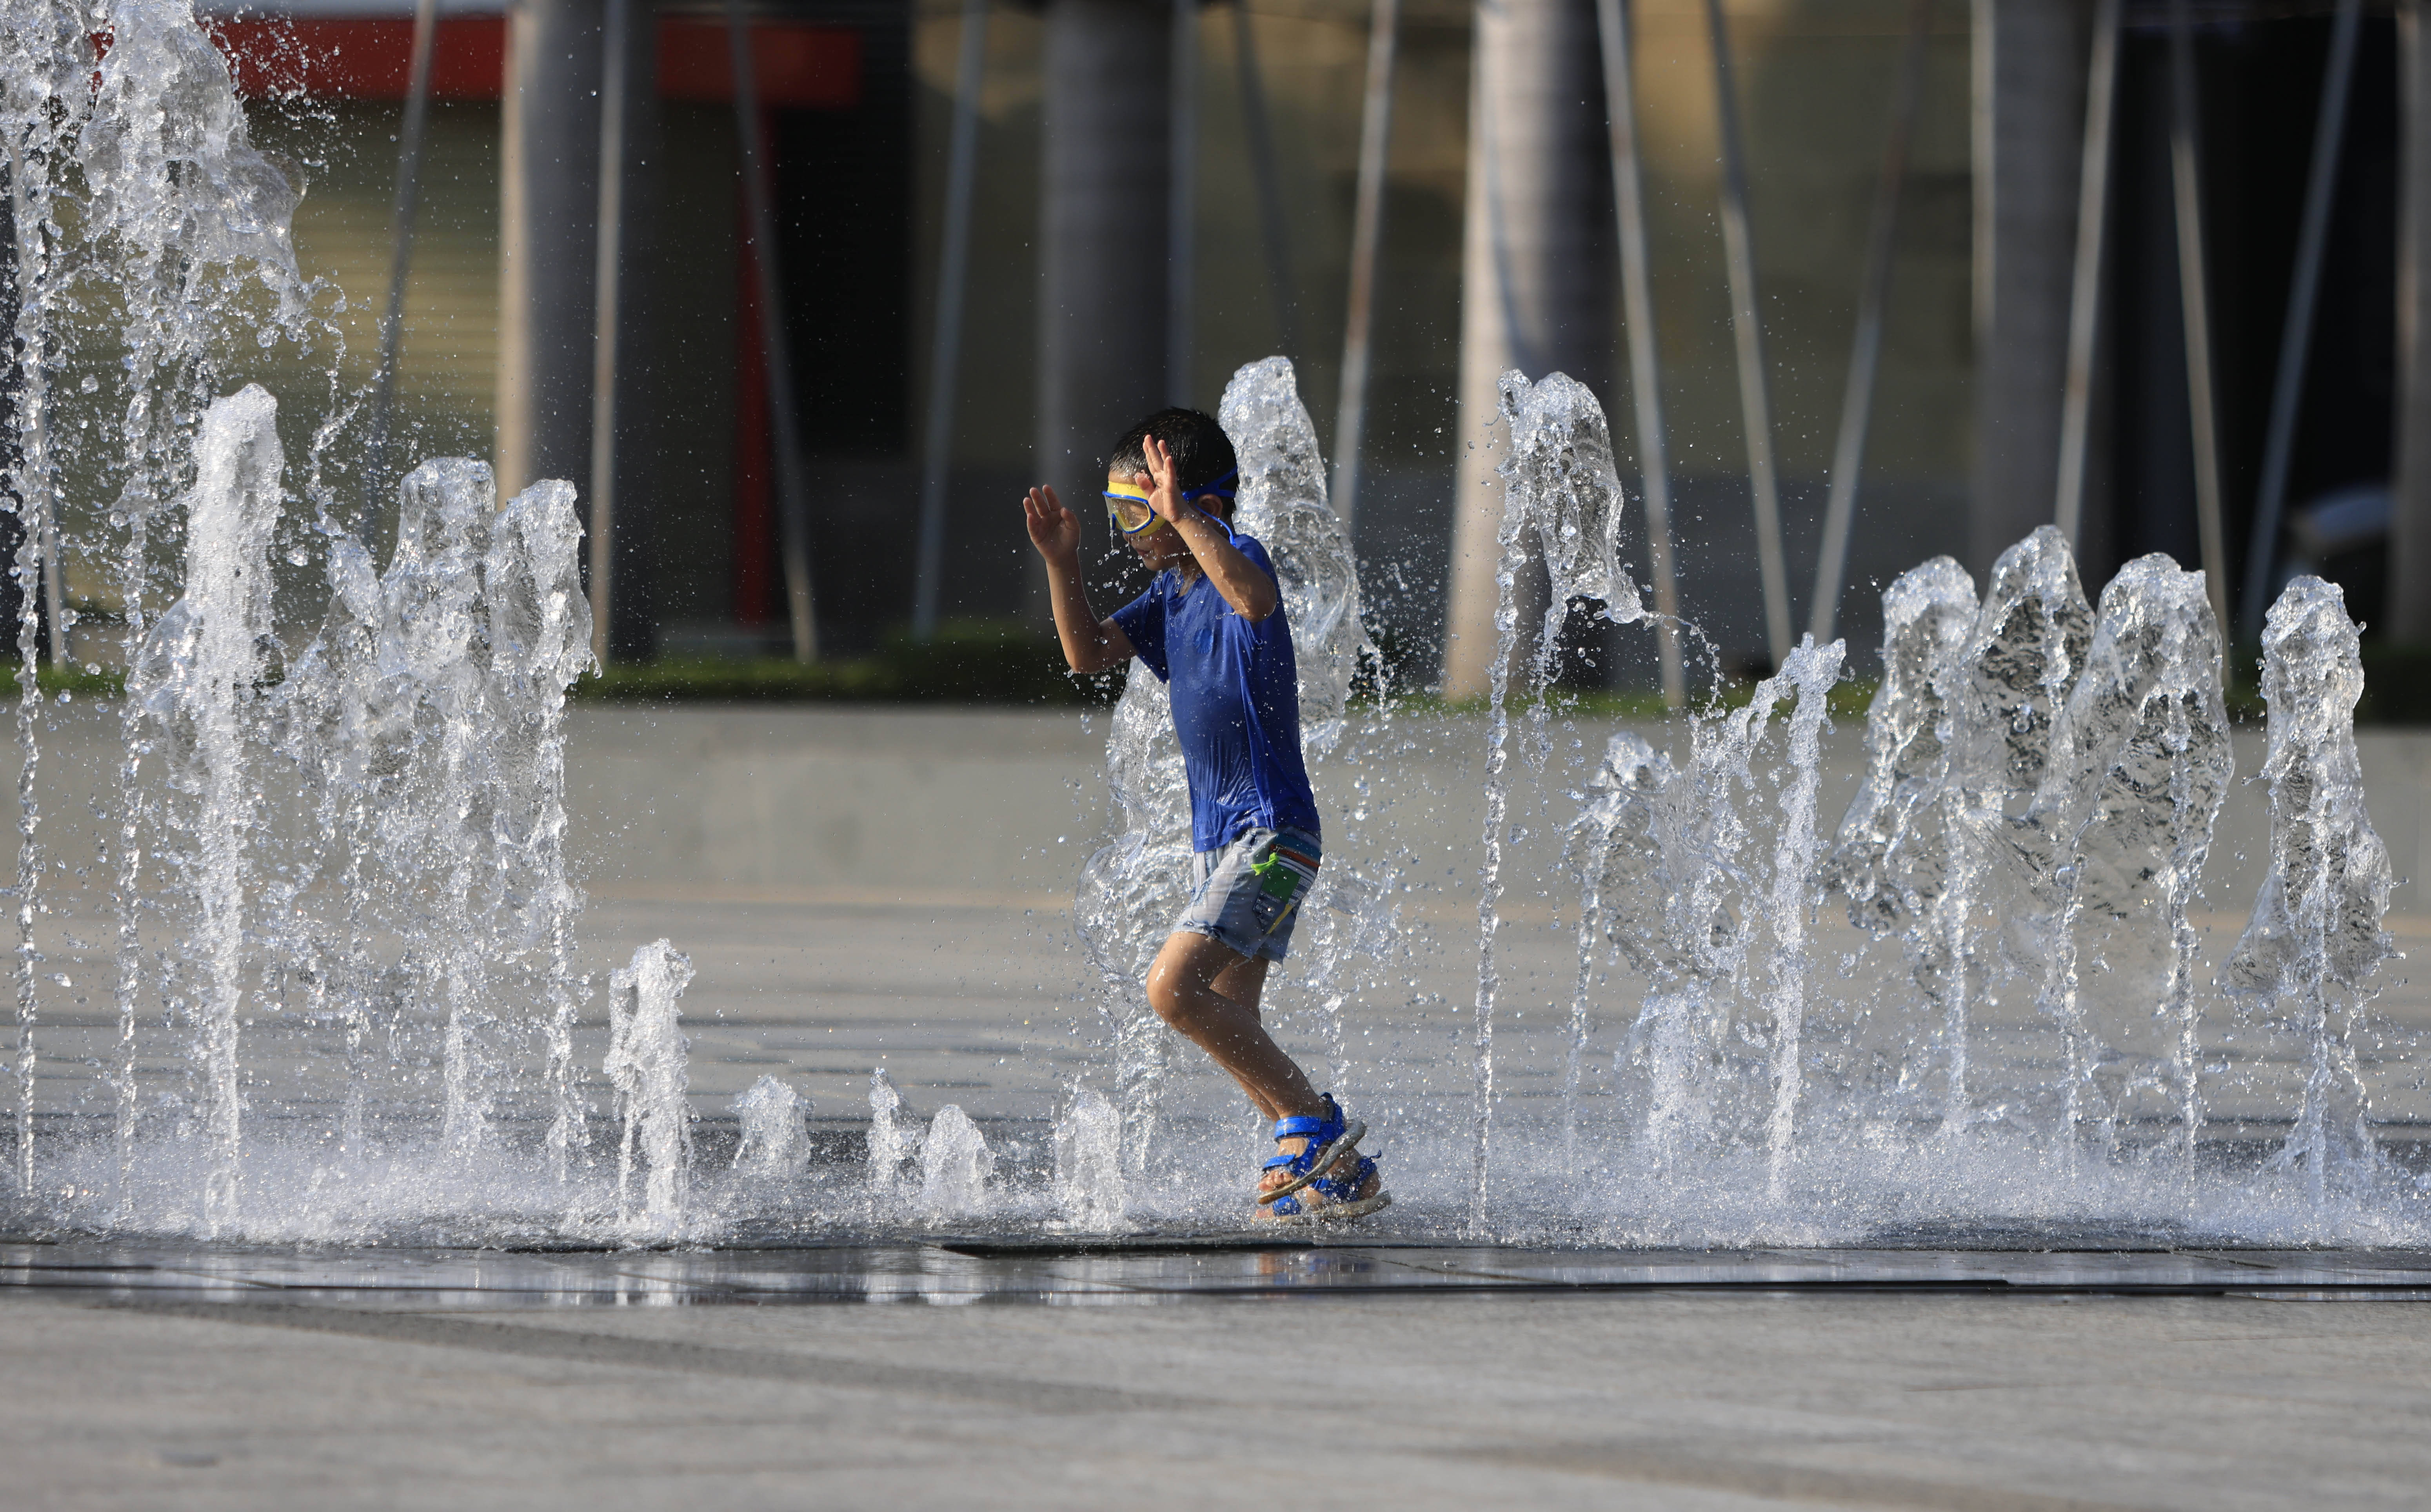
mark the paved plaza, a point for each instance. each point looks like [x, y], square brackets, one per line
[894, 890]
[1657, 1399]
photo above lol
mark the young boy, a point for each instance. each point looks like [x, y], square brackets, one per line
[1212, 627]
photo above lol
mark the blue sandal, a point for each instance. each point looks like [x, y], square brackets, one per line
[1313, 1190]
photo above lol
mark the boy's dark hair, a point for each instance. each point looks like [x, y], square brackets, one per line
[1202, 453]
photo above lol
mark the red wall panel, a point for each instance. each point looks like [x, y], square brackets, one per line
[795, 67]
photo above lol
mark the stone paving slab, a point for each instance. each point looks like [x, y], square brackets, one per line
[1462, 1397]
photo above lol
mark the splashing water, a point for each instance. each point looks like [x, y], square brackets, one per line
[419, 733]
[1089, 1160]
[955, 1164]
[1281, 501]
[1625, 894]
[136, 194]
[195, 679]
[774, 1144]
[1714, 905]
[1894, 855]
[2138, 766]
[337, 879]
[1130, 891]
[1811, 671]
[1561, 494]
[426, 722]
[646, 1065]
[540, 643]
[2314, 936]
[894, 1137]
[180, 219]
[2021, 656]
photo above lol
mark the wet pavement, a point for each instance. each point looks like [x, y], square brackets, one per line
[186, 1379]
[1166, 1271]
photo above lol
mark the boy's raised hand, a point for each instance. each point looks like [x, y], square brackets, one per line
[1053, 530]
[1164, 492]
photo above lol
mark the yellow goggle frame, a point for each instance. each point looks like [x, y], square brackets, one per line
[1115, 497]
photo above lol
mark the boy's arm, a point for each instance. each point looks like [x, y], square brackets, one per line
[1090, 644]
[1243, 583]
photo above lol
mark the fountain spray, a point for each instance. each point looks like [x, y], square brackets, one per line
[195, 680]
[1562, 498]
[2315, 938]
[2119, 824]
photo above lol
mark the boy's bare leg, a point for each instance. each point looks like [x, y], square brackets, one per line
[1209, 993]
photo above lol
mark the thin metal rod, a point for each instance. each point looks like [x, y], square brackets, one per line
[1645, 371]
[1865, 357]
[408, 208]
[1747, 324]
[784, 422]
[610, 257]
[1366, 240]
[1273, 230]
[2410, 543]
[2296, 339]
[946, 355]
[1182, 200]
[2085, 298]
[2194, 301]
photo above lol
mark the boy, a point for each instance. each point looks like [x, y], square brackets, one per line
[1211, 626]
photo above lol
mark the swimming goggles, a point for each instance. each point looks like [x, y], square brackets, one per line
[1221, 487]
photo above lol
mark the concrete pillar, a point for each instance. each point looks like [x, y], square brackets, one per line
[547, 219]
[1102, 248]
[2410, 545]
[1535, 279]
[2029, 87]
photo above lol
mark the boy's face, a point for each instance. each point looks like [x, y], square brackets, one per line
[1159, 544]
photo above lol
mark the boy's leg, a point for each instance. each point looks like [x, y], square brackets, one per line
[1209, 993]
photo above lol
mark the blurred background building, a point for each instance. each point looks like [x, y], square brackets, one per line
[1499, 160]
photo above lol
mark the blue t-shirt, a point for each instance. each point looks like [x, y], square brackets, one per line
[1236, 703]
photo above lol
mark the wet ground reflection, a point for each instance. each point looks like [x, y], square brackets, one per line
[947, 1271]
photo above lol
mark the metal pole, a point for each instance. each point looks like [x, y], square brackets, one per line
[2194, 299]
[1367, 237]
[1747, 324]
[611, 247]
[1637, 303]
[2410, 535]
[1182, 201]
[409, 206]
[1273, 230]
[782, 422]
[946, 356]
[548, 209]
[2085, 298]
[2296, 339]
[1865, 358]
